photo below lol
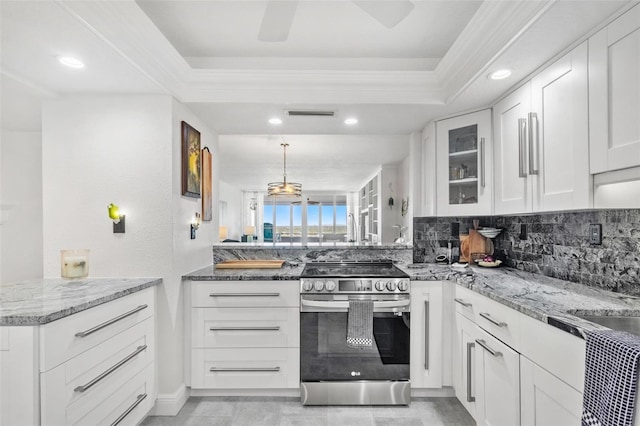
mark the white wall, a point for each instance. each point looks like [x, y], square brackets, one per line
[406, 191]
[20, 206]
[126, 150]
[232, 195]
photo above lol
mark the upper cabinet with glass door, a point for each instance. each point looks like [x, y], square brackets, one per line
[464, 167]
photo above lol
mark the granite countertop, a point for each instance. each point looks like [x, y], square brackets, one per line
[38, 302]
[547, 299]
[289, 271]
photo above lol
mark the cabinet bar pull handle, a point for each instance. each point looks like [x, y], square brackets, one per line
[491, 320]
[533, 146]
[276, 328]
[246, 369]
[482, 163]
[426, 336]
[463, 303]
[244, 294]
[522, 140]
[110, 370]
[491, 351]
[470, 345]
[111, 321]
[139, 399]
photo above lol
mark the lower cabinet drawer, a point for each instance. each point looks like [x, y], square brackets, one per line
[245, 368]
[128, 405]
[67, 337]
[245, 327]
[238, 294]
[125, 404]
[83, 384]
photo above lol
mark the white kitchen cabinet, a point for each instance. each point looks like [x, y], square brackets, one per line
[541, 141]
[464, 362]
[93, 367]
[614, 94]
[497, 382]
[465, 171]
[426, 334]
[547, 400]
[242, 335]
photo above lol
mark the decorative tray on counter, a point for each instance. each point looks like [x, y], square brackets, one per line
[250, 264]
[493, 264]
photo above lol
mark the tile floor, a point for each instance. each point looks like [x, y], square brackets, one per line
[255, 411]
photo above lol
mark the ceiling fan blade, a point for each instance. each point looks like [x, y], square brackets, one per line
[388, 13]
[277, 20]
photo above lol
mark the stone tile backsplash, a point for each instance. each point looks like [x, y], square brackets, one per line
[557, 245]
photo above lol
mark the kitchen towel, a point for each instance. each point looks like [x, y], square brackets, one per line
[360, 324]
[610, 382]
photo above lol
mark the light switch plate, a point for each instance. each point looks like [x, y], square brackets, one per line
[595, 233]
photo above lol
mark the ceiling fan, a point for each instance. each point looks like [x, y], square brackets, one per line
[278, 17]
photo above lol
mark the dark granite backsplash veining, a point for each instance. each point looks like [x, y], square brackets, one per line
[557, 245]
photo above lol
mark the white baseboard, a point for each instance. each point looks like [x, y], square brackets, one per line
[424, 392]
[247, 392]
[170, 404]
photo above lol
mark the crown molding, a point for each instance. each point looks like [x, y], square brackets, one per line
[125, 27]
[492, 30]
[397, 87]
[128, 30]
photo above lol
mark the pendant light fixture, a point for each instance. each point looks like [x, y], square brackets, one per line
[284, 189]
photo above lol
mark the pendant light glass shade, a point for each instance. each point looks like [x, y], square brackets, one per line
[284, 189]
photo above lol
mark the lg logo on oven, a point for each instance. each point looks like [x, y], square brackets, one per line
[355, 373]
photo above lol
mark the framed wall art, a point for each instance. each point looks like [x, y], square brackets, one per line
[207, 214]
[191, 164]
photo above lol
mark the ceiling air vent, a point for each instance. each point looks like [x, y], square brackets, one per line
[309, 113]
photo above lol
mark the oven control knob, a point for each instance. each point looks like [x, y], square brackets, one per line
[307, 285]
[330, 286]
[318, 286]
[403, 285]
[391, 286]
[380, 285]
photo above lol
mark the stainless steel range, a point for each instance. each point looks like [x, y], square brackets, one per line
[332, 372]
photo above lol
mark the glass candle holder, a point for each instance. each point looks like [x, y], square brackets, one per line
[74, 263]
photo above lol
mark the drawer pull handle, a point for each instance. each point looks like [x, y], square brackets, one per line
[463, 303]
[276, 328]
[492, 321]
[244, 294]
[426, 335]
[470, 398]
[111, 321]
[110, 370]
[244, 369]
[488, 349]
[139, 399]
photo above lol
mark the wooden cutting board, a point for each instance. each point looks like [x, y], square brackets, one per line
[477, 243]
[250, 264]
[464, 248]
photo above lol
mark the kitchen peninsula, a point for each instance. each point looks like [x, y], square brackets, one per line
[77, 351]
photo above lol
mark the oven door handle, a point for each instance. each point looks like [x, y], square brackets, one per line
[345, 304]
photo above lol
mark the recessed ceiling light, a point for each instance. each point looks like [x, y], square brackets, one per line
[275, 120]
[351, 121]
[500, 74]
[71, 62]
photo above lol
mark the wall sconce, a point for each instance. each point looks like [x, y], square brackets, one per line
[253, 204]
[195, 224]
[223, 233]
[117, 217]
